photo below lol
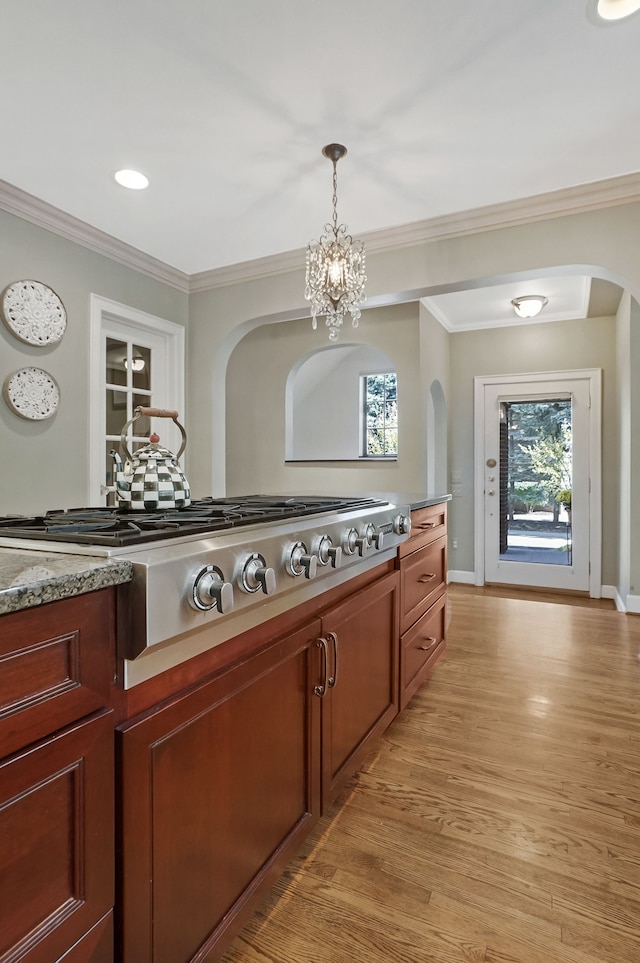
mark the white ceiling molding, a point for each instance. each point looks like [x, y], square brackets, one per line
[574, 200]
[30, 208]
[586, 197]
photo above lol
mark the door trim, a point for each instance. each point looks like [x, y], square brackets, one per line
[512, 382]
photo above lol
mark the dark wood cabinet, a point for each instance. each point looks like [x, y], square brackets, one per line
[219, 787]
[221, 784]
[56, 841]
[362, 642]
[422, 561]
[57, 665]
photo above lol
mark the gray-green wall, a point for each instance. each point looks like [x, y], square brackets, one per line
[45, 463]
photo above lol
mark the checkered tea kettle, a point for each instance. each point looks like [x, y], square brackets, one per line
[152, 479]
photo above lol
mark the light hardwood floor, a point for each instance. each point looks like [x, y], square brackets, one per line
[498, 819]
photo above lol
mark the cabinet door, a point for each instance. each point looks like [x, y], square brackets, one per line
[56, 841]
[57, 664]
[219, 788]
[363, 632]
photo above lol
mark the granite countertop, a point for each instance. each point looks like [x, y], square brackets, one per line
[33, 578]
[415, 500]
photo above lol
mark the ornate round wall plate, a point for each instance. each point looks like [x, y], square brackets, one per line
[34, 313]
[32, 393]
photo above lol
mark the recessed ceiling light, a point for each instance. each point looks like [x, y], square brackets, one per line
[134, 180]
[529, 305]
[606, 12]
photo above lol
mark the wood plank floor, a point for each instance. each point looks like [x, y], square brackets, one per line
[499, 818]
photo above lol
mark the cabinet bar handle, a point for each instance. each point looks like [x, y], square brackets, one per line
[427, 577]
[331, 636]
[430, 639]
[320, 690]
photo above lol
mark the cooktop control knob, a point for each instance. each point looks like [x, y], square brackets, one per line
[327, 552]
[210, 591]
[257, 575]
[402, 524]
[299, 562]
[373, 537]
[355, 543]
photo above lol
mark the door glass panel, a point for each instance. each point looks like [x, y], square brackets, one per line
[536, 458]
[116, 410]
[116, 373]
[141, 366]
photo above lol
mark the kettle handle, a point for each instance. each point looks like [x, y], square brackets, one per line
[141, 412]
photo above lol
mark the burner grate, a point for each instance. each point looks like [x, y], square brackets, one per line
[114, 528]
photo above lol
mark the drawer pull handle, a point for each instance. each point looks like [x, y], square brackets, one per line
[427, 577]
[428, 525]
[430, 639]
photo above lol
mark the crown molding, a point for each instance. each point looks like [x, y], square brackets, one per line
[573, 200]
[612, 192]
[32, 209]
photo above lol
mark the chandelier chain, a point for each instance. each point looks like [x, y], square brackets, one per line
[335, 197]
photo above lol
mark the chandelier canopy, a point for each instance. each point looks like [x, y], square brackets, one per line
[335, 266]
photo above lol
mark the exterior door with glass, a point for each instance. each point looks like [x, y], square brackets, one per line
[537, 466]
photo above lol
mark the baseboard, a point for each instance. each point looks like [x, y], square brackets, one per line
[633, 604]
[611, 592]
[468, 578]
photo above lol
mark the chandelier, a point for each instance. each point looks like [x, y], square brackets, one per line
[335, 266]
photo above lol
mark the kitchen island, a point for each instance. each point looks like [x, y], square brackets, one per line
[219, 767]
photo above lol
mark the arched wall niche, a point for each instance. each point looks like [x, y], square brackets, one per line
[322, 402]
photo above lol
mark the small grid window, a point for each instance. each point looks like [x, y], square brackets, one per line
[380, 415]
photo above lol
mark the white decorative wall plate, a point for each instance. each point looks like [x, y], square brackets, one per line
[34, 313]
[32, 393]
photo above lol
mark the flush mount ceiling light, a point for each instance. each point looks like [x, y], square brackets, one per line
[529, 305]
[603, 12]
[335, 266]
[137, 363]
[134, 180]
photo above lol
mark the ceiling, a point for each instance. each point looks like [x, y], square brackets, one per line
[444, 107]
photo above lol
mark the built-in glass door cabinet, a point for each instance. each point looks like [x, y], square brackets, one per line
[422, 560]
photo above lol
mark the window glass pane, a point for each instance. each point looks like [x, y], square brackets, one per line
[381, 414]
[116, 356]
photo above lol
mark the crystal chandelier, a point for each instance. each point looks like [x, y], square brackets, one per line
[335, 266]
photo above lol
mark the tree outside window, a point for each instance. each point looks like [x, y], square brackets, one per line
[380, 410]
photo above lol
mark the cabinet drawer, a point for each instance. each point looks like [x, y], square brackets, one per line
[421, 647]
[427, 524]
[57, 664]
[423, 579]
